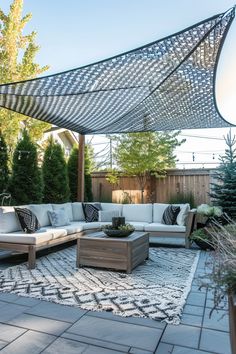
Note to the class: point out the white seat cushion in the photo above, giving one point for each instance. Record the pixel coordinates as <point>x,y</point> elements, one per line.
<point>74,227</point>
<point>137,212</point>
<point>28,239</point>
<point>77,210</point>
<point>8,220</point>
<point>67,207</point>
<point>138,226</point>
<point>163,227</point>
<point>56,231</point>
<point>90,225</point>
<point>41,211</point>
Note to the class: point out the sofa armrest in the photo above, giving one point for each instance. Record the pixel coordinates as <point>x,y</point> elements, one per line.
<point>190,225</point>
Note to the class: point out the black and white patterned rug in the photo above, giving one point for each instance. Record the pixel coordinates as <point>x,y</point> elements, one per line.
<point>157,289</point>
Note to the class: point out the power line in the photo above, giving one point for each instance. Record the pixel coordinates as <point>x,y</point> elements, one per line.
<point>196,163</point>
<point>210,152</point>
<point>202,137</point>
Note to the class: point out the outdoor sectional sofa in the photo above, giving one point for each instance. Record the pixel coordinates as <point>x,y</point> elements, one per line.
<point>144,217</point>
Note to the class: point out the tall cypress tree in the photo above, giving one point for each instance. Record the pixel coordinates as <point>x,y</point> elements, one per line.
<point>224,191</point>
<point>26,180</point>
<point>4,170</point>
<point>55,176</point>
<point>73,173</point>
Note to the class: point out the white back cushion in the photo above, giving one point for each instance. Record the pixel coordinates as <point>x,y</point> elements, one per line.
<point>182,216</point>
<point>112,206</point>
<point>158,210</point>
<point>107,215</point>
<point>77,210</point>
<point>41,211</point>
<point>67,207</point>
<point>137,212</point>
<point>8,220</point>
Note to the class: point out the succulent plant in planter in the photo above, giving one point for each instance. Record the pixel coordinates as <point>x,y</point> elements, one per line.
<point>205,215</point>
<point>118,231</point>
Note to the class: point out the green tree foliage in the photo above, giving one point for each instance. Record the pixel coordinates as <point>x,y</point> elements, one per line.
<point>142,154</point>
<point>55,175</point>
<point>224,190</point>
<point>26,180</point>
<point>73,173</point>
<point>4,170</point>
<point>88,167</point>
<point>17,55</point>
<point>183,198</point>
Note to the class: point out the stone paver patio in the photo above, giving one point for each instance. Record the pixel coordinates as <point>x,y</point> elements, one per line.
<point>29,326</point>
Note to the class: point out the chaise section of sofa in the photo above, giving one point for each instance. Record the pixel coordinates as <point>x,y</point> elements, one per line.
<point>13,238</point>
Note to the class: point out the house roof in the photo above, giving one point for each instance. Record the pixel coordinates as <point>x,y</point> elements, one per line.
<point>167,84</point>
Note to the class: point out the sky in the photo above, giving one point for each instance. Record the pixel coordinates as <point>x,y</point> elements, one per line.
<point>73,33</point>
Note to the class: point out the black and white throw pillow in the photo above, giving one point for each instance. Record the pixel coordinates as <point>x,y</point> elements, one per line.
<point>170,215</point>
<point>28,220</point>
<point>91,211</point>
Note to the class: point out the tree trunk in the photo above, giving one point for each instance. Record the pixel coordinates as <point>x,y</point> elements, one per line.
<point>142,183</point>
<point>142,196</point>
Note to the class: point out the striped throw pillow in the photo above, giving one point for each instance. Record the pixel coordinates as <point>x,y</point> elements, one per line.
<point>170,215</point>
<point>28,220</point>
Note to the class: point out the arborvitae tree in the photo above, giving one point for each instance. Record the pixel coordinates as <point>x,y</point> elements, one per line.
<point>88,166</point>
<point>55,175</point>
<point>26,180</point>
<point>224,191</point>
<point>73,173</point>
<point>4,170</point>
<point>17,58</point>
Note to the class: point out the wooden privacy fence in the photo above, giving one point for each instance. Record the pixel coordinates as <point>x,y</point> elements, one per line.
<point>177,183</point>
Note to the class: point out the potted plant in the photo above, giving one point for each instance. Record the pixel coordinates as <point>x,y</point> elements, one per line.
<point>223,270</point>
<point>202,238</point>
<point>205,214</point>
<point>123,230</point>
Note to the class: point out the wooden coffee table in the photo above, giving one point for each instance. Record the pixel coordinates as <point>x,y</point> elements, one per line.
<point>120,253</point>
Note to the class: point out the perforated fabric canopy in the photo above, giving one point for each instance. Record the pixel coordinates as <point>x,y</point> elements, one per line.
<point>165,85</point>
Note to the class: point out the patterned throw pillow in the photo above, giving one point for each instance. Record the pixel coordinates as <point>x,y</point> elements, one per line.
<point>28,220</point>
<point>58,217</point>
<point>91,211</point>
<point>170,215</point>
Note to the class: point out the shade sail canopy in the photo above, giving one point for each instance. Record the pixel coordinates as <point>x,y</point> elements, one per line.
<point>165,85</point>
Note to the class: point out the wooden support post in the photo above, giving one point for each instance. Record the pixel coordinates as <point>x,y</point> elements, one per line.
<point>80,190</point>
